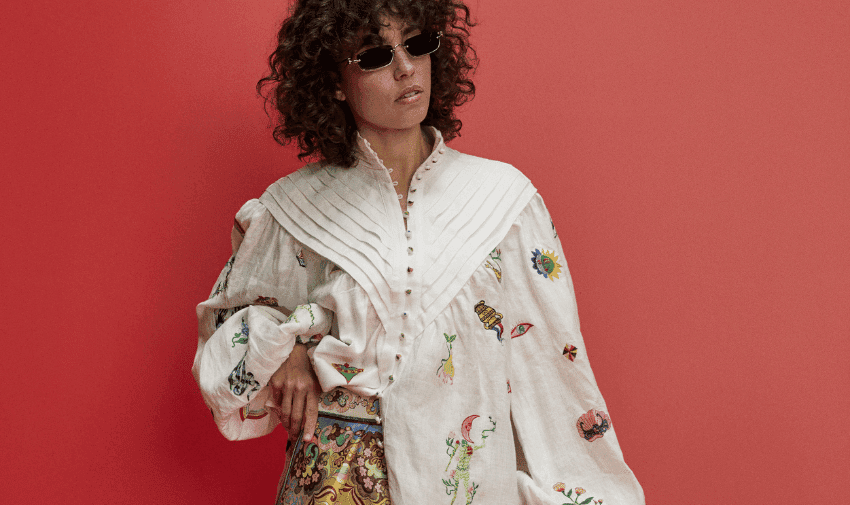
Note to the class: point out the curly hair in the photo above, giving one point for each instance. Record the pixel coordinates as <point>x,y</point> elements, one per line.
<point>319,33</point>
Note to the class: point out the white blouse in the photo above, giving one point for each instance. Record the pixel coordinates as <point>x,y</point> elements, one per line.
<point>463,323</point>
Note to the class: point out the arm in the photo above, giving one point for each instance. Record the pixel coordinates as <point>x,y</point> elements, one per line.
<point>559,416</point>
<point>245,333</point>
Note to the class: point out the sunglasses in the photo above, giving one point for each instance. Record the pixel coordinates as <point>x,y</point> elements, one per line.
<point>381,56</point>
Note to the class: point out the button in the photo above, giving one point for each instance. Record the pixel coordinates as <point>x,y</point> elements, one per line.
<point>413,190</point>
<point>401,336</point>
<point>433,160</point>
<point>418,177</point>
<point>378,419</point>
<point>397,357</point>
<point>409,202</point>
<point>404,314</point>
<point>408,291</point>
<point>410,270</point>
<point>410,251</point>
<point>441,151</point>
<point>408,234</point>
<point>406,214</point>
<point>391,378</point>
<point>427,168</point>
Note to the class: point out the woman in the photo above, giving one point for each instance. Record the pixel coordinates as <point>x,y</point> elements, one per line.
<point>427,287</point>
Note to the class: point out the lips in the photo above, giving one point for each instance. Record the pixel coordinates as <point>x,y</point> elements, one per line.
<point>412,90</point>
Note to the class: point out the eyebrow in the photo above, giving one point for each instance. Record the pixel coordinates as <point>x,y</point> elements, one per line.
<point>374,39</point>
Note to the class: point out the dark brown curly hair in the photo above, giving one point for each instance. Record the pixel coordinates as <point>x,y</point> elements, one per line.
<point>319,33</point>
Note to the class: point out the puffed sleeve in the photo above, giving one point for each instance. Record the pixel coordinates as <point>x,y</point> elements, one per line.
<point>249,325</point>
<point>560,420</point>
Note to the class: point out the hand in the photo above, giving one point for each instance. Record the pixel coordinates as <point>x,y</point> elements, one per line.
<point>296,389</point>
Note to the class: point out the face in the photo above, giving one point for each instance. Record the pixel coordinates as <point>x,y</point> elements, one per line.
<point>374,96</point>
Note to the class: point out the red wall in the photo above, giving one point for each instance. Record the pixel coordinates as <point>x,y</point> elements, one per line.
<point>694,155</point>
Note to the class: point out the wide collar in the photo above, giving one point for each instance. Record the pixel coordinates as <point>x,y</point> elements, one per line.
<point>460,207</point>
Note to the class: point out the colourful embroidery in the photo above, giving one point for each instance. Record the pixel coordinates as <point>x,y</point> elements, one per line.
<point>492,320</point>
<point>494,263</point>
<point>268,301</point>
<point>570,352</point>
<point>222,315</point>
<point>308,308</point>
<point>560,487</point>
<point>246,413</point>
<point>521,329</point>
<point>347,371</point>
<point>593,424</point>
<point>509,385</point>
<point>300,258</point>
<point>554,231</point>
<point>546,264</point>
<point>241,380</point>
<point>241,337</point>
<point>446,371</point>
<point>464,449</point>
<point>222,285</point>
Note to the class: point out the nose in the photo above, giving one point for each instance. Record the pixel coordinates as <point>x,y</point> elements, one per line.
<point>404,63</point>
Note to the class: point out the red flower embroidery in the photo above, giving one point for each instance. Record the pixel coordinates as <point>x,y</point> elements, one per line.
<point>593,424</point>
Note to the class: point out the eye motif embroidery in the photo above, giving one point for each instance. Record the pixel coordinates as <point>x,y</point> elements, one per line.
<point>521,329</point>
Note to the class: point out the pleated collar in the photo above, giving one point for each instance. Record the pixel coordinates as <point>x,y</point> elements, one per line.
<point>368,158</point>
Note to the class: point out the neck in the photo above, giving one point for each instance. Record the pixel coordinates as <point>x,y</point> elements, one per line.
<point>401,150</point>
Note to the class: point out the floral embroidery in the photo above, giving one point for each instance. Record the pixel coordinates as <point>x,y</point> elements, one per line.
<point>222,285</point>
<point>300,258</point>
<point>246,413</point>
<point>268,301</point>
<point>560,487</point>
<point>492,320</point>
<point>347,371</point>
<point>241,380</point>
<point>446,371</point>
<point>570,352</point>
<point>593,424</point>
<point>521,329</point>
<point>546,264</point>
<point>242,336</point>
<point>494,263</point>
<point>308,308</point>
<point>464,449</point>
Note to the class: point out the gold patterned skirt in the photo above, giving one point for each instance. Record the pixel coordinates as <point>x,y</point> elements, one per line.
<point>344,462</point>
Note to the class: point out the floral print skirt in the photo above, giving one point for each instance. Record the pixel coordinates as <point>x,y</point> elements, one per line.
<point>344,462</point>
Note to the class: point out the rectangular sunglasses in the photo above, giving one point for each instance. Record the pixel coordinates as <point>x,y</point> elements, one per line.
<point>381,56</point>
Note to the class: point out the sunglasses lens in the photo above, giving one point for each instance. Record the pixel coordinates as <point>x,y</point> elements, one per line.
<point>376,57</point>
<point>422,44</point>
<point>418,45</point>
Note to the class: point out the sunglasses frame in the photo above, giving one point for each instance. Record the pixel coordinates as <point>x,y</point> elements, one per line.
<point>439,35</point>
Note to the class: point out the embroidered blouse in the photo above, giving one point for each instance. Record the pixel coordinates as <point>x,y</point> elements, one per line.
<point>463,322</point>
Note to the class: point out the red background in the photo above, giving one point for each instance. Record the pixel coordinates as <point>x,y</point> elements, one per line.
<point>694,156</point>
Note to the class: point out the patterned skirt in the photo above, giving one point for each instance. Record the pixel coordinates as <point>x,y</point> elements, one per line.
<point>344,462</point>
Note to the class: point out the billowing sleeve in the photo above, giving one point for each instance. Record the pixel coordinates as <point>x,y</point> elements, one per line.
<point>250,323</point>
<point>561,422</point>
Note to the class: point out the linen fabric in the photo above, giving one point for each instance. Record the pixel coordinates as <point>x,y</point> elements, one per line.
<point>459,315</point>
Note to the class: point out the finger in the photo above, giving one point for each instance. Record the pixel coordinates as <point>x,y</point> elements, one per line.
<point>286,409</point>
<point>297,411</point>
<point>311,414</point>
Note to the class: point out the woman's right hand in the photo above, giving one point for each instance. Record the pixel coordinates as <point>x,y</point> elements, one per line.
<point>296,389</point>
